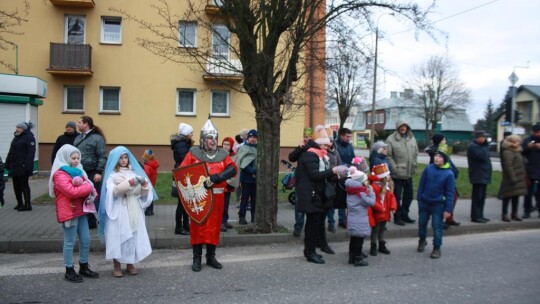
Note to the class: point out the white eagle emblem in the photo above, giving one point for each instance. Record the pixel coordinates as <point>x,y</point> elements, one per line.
<point>194,194</point>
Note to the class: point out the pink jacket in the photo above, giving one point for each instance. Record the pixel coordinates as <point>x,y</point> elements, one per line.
<point>69,199</point>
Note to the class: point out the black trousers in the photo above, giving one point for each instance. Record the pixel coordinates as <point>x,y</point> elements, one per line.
<point>312,234</point>
<point>355,246</point>
<point>515,203</point>
<point>22,190</point>
<point>92,220</point>
<point>478,200</point>
<point>181,217</point>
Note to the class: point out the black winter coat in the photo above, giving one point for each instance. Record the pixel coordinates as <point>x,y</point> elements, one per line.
<point>20,158</point>
<point>63,139</point>
<point>310,182</point>
<point>532,158</point>
<point>479,161</point>
<point>180,145</point>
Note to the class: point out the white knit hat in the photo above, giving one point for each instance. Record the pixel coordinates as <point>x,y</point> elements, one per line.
<point>185,129</point>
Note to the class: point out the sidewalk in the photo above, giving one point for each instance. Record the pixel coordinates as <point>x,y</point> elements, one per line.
<point>38,231</point>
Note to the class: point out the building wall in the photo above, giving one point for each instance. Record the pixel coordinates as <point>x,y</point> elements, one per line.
<point>147,82</point>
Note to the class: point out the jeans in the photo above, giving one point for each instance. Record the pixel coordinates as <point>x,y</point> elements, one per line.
<point>426,211</point>
<point>342,216</point>
<point>403,190</point>
<point>533,191</point>
<point>298,217</point>
<point>249,191</point>
<point>79,226</point>
<point>226,201</point>
<point>478,200</point>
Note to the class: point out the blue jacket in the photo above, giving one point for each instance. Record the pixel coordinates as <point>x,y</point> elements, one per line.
<point>345,150</point>
<point>437,186</point>
<point>478,158</point>
<point>378,159</point>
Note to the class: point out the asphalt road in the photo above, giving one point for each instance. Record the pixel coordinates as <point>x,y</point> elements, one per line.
<point>498,267</point>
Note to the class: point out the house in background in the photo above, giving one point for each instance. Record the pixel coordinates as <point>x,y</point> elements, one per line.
<point>455,126</point>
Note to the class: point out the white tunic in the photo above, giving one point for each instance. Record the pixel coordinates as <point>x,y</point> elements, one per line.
<point>126,238</point>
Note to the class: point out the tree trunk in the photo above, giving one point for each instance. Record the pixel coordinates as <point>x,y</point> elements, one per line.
<point>268,130</point>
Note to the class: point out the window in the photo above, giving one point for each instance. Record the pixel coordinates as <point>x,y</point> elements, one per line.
<point>219,105</point>
<point>185,103</point>
<point>73,98</point>
<point>75,29</point>
<point>111,30</point>
<point>109,99</point>
<point>218,3</point>
<point>220,42</point>
<point>188,34</point>
<point>381,118</point>
<point>369,118</point>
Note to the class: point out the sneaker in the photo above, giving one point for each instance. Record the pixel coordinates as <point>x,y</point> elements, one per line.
<point>421,245</point>
<point>331,229</point>
<point>408,220</point>
<point>223,228</point>
<point>399,222</point>
<point>436,253</point>
<point>228,226</point>
<point>297,232</point>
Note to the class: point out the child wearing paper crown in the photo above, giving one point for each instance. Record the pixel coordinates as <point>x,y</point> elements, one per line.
<point>360,198</point>
<point>150,167</point>
<point>385,202</point>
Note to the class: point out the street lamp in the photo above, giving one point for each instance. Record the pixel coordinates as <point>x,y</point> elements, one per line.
<point>513,80</point>
<point>372,132</point>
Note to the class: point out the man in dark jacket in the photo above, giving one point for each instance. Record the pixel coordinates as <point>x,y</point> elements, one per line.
<point>479,161</point>
<point>346,153</point>
<point>246,160</point>
<point>531,153</point>
<point>67,138</point>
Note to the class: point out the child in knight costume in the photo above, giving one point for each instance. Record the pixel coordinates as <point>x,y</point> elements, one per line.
<point>221,167</point>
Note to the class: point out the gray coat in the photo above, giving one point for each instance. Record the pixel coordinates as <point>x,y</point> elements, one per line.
<point>513,181</point>
<point>357,210</point>
<point>402,153</point>
<point>93,152</point>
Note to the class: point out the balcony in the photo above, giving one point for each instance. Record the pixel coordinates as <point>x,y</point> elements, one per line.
<point>212,7</point>
<point>70,59</point>
<point>223,69</point>
<point>74,3</point>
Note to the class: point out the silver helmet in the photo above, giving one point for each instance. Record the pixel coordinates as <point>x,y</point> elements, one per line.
<point>209,131</point>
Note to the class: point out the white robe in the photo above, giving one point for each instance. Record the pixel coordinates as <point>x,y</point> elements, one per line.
<point>125,208</point>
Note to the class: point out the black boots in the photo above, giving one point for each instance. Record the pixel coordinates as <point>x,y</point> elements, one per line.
<point>85,271</point>
<point>356,257</point>
<point>242,220</point>
<point>72,276</point>
<point>421,245</point>
<point>382,248</point>
<point>211,257</point>
<point>373,249</point>
<point>197,256</point>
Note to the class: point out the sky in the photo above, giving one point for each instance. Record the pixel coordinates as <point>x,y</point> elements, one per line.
<point>487,40</point>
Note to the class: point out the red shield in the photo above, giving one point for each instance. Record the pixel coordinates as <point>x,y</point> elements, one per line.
<point>197,200</point>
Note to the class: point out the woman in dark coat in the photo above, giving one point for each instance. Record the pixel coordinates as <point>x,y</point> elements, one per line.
<point>513,182</point>
<point>312,173</point>
<point>20,164</point>
<point>180,144</point>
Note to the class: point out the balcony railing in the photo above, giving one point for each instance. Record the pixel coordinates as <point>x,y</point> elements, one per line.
<point>70,59</point>
<point>223,69</point>
<point>74,3</point>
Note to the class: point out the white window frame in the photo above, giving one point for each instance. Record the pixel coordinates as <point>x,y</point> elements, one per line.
<point>178,111</point>
<point>105,19</point>
<point>227,103</point>
<point>381,118</point>
<point>101,101</point>
<point>66,88</point>
<point>67,19</point>
<point>187,24</point>
<point>217,37</point>
<point>218,3</point>
<point>368,118</point>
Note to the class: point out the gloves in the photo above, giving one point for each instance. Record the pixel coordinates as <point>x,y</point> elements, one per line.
<point>215,178</point>
<point>208,182</point>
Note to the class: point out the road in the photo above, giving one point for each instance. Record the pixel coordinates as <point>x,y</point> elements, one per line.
<point>498,267</point>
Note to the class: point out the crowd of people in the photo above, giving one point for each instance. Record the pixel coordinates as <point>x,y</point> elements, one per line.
<point>114,191</point>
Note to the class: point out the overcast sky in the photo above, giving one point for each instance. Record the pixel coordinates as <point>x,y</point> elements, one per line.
<point>487,40</point>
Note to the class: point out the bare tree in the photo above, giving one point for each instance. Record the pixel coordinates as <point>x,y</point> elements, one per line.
<point>10,20</point>
<point>438,89</point>
<point>348,70</point>
<point>274,40</point>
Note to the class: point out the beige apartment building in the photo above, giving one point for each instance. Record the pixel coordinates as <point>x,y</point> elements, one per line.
<point>90,60</point>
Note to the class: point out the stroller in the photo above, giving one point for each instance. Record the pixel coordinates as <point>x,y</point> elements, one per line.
<point>289,180</point>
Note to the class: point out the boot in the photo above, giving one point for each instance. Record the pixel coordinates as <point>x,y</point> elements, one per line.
<point>421,245</point>
<point>197,257</point>
<point>351,258</point>
<point>373,250</point>
<point>359,261</point>
<point>436,253</point>
<point>117,272</point>
<point>505,218</point>
<point>131,269</point>
<point>242,220</point>
<point>85,271</point>
<point>382,248</point>
<point>72,276</point>
<point>515,217</point>
<point>27,201</point>
<point>211,257</point>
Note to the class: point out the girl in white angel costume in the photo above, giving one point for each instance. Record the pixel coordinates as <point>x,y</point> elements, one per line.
<point>124,196</point>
